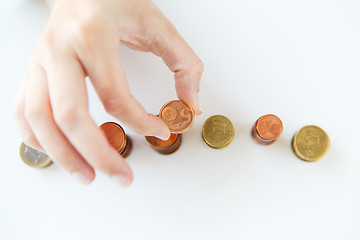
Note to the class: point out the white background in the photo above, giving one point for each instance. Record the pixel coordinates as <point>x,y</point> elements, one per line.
<point>297,59</point>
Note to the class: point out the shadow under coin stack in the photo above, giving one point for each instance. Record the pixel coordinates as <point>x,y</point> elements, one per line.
<point>117,138</point>
<point>179,117</point>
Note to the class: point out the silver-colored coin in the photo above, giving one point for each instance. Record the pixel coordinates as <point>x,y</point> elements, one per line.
<point>33,157</point>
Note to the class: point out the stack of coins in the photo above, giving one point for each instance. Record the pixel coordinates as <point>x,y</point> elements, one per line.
<point>267,129</point>
<point>179,117</point>
<point>310,143</point>
<point>165,146</point>
<point>33,157</point>
<point>218,131</point>
<point>117,138</point>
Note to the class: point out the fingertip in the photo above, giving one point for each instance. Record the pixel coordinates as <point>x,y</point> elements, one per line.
<point>164,136</point>
<point>161,131</point>
<point>83,178</point>
<point>122,180</point>
<point>198,109</point>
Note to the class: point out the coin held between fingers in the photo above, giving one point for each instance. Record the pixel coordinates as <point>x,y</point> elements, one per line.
<point>177,115</point>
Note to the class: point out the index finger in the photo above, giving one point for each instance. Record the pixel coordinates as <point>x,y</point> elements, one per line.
<point>68,96</point>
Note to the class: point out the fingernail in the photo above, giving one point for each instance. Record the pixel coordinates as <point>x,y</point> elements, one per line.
<point>199,103</point>
<point>121,180</point>
<point>165,136</point>
<point>81,178</point>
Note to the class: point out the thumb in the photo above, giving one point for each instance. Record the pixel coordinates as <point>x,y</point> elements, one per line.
<point>182,60</point>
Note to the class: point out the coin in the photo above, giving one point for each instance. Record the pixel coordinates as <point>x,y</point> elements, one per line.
<point>310,143</point>
<point>267,129</point>
<point>117,138</point>
<point>165,146</point>
<point>33,157</point>
<point>218,131</point>
<point>177,115</point>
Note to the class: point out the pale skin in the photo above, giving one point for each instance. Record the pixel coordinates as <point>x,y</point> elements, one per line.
<point>82,38</point>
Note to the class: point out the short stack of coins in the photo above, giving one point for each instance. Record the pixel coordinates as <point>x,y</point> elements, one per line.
<point>310,143</point>
<point>117,138</point>
<point>267,129</point>
<point>34,158</point>
<point>165,146</point>
<point>218,131</point>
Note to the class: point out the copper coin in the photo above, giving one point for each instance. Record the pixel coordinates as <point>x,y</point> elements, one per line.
<point>177,115</point>
<point>267,129</point>
<point>115,135</point>
<point>167,146</point>
<point>127,150</point>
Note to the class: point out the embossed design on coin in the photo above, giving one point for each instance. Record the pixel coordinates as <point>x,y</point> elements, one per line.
<point>33,157</point>
<point>267,129</point>
<point>177,115</point>
<point>218,131</point>
<point>169,114</point>
<point>310,143</point>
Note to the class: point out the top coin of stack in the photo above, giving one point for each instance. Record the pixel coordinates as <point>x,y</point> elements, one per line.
<point>218,131</point>
<point>310,143</point>
<point>117,138</point>
<point>267,129</point>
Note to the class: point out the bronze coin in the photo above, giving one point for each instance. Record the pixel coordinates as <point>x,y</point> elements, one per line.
<point>115,135</point>
<point>167,146</point>
<point>267,129</point>
<point>177,115</point>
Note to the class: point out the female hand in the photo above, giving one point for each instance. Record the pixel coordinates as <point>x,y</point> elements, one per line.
<point>82,39</point>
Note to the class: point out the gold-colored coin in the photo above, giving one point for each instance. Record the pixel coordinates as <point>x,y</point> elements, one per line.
<point>33,157</point>
<point>218,131</point>
<point>310,143</point>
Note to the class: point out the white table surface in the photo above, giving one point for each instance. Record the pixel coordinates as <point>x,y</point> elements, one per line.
<point>299,60</point>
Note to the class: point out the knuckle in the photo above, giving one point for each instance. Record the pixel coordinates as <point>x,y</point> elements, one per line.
<point>67,117</point>
<point>198,66</point>
<point>32,113</point>
<point>88,24</point>
<point>114,105</point>
<point>17,111</point>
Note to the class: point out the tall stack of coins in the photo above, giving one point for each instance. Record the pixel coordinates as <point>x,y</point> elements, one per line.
<point>267,129</point>
<point>218,131</point>
<point>33,157</point>
<point>116,136</point>
<point>310,143</point>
